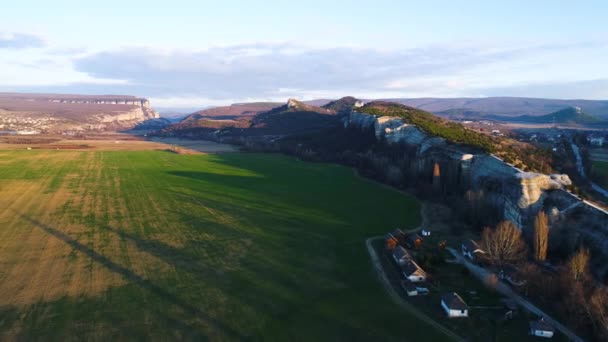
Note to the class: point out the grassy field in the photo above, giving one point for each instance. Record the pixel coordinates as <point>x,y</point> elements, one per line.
<point>154,245</point>
<point>600,172</point>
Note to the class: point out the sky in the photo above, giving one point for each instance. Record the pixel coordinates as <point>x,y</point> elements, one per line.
<point>204,53</point>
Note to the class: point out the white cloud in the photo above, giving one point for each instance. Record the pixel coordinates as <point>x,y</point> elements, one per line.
<point>13,40</point>
<point>275,71</point>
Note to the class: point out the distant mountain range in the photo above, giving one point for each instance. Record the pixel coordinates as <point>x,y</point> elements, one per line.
<point>501,106</point>
<point>571,115</point>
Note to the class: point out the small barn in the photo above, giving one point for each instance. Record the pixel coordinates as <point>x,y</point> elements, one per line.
<point>401,255</point>
<point>471,250</point>
<point>454,306</point>
<point>541,328</point>
<point>412,272</point>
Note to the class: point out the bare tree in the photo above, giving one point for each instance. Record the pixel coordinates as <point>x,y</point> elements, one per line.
<point>504,244</point>
<point>578,265</point>
<point>599,309</point>
<point>540,236</point>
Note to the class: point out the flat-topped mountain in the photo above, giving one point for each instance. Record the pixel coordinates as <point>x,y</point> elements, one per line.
<point>53,113</point>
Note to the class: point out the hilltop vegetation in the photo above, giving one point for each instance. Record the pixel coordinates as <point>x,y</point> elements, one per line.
<point>431,124</point>
<point>524,156</point>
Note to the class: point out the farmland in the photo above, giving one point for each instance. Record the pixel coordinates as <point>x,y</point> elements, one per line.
<point>106,245</point>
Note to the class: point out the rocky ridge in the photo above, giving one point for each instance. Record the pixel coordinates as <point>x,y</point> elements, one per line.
<point>522,193</point>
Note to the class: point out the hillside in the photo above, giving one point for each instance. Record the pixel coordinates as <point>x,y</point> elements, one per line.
<point>233,111</point>
<point>571,115</point>
<point>255,119</point>
<point>431,124</point>
<point>343,105</point>
<point>521,155</point>
<point>53,113</point>
<point>504,106</point>
<point>295,117</point>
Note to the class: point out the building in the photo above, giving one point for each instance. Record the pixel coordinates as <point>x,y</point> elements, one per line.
<point>541,328</point>
<point>399,235</point>
<point>390,243</point>
<point>413,240</point>
<point>409,288</point>
<point>595,140</point>
<point>401,255</point>
<point>412,272</point>
<point>425,232</point>
<point>471,250</point>
<point>454,306</point>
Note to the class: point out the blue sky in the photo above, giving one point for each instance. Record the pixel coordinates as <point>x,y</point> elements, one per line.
<point>198,53</point>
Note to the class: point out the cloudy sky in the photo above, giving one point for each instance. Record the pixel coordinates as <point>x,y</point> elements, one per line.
<point>200,53</point>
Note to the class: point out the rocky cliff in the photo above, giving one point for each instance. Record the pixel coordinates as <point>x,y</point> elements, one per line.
<point>519,194</point>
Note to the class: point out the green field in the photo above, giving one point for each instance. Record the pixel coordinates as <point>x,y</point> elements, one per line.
<point>600,172</point>
<point>153,245</point>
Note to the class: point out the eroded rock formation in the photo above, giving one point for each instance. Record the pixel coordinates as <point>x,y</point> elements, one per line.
<point>519,194</point>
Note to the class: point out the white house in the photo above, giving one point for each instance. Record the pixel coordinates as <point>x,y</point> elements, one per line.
<point>454,306</point>
<point>595,140</point>
<point>471,249</point>
<point>412,272</point>
<point>541,328</point>
<point>401,255</point>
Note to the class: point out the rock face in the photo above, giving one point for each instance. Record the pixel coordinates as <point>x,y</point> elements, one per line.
<point>519,194</point>
<point>534,185</point>
<point>59,113</point>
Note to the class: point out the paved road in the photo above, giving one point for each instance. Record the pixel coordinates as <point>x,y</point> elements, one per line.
<point>505,290</point>
<point>581,170</point>
<point>398,299</point>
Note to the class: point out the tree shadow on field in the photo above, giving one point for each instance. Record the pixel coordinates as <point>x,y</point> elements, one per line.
<point>141,282</point>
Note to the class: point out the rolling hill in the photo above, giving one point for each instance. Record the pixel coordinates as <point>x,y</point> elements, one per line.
<point>295,117</point>
<point>571,115</point>
<point>503,106</point>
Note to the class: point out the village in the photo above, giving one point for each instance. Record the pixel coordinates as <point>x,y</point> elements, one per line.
<point>458,289</point>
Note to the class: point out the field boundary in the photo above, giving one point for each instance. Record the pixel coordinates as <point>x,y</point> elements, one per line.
<point>397,299</point>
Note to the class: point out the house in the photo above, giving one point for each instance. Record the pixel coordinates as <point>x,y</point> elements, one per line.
<point>413,240</point>
<point>422,291</point>
<point>409,288</point>
<point>595,140</point>
<point>412,272</point>
<point>454,306</point>
<point>399,235</point>
<point>401,255</point>
<point>471,250</point>
<point>390,242</point>
<point>541,328</point>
